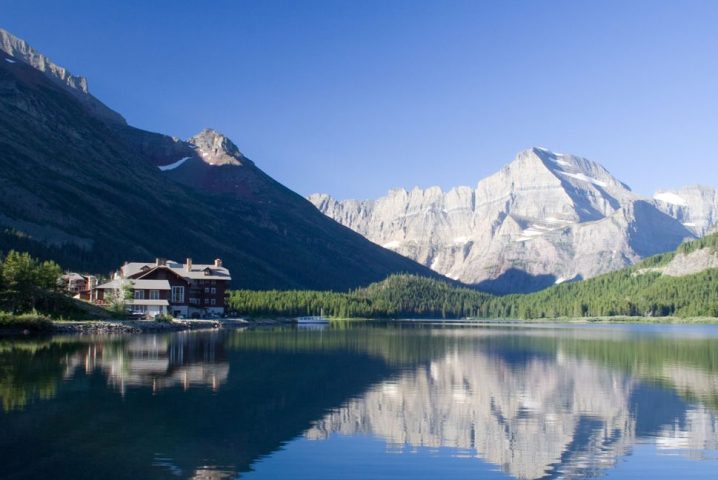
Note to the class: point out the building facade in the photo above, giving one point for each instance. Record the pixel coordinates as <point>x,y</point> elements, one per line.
<point>76,284</point>
<point>168,287</point>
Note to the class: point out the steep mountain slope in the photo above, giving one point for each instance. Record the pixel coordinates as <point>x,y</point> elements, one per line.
<point>545,218</point>
<point>82,187</point>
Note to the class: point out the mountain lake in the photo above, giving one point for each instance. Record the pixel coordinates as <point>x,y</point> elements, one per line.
<point>364,400</point>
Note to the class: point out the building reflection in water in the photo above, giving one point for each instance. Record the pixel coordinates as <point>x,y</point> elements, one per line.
<point>533,403</point>
<point>548,415</point>
<point>155,361</point>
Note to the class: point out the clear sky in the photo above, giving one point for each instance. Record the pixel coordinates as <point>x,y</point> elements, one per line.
<point>355,98</point>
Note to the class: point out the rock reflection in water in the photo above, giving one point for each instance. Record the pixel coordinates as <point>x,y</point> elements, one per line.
<point>533,403</point>
<point>546,415</point>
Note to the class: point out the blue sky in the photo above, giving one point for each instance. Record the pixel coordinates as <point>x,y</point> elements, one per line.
<point>354,98</point>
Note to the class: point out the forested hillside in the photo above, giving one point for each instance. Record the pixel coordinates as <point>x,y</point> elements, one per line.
<point>634,291</point>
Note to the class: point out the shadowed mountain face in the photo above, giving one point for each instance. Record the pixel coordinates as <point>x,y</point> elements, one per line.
<point>517,281</point>
<point>80,186</point>
<point>545,215</point>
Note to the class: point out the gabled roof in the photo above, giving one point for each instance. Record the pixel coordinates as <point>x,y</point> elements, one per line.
<point>137,284</point>
<point>73,276</point>
<point>112,284</point>
<point>198,271</point>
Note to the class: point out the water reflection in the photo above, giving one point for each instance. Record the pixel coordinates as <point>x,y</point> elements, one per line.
<point>536,410</point>
<point>536,403</point>
<point>34,369</point>
<point>156,361</point>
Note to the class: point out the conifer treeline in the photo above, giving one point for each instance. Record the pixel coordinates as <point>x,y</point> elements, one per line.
<point>634,291</point>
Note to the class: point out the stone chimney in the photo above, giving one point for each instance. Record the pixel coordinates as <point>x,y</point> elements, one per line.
<point>218,262</point>
<point>188,264</point>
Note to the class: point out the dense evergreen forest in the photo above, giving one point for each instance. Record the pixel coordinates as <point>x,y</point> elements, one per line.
<point>634,291</point>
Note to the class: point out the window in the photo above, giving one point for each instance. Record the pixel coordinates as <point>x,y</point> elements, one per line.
<point>139,308</point>
<point>139,294</point>
<point>214,301</point>
<point>206,289</point>
<point>194,301</point>
<point>214,290</point>
<point>154,294</point>
<point>177,294</point>
<point>206,301</point>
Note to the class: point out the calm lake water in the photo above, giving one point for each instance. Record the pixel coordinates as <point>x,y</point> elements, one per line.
<point>360,401</point>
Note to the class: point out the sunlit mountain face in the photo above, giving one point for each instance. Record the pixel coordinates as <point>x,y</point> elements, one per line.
<point>525,403</point>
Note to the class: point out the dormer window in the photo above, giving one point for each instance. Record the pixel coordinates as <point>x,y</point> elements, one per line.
<point>144,268</point>
<point>207,271</point>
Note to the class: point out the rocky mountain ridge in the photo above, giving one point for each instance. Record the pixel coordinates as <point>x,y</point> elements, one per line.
<point>16,49</point>
<point>545,218</point>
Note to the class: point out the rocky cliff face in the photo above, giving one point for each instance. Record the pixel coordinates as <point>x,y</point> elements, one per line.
<point>545,218</point>
<point>695,206</point>
<point>216,149</point>
<point>17,50</point>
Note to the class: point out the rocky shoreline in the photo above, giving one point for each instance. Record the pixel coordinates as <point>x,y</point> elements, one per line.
<point>114,327</point>
<point>104,327</point>
<point>130,326</point>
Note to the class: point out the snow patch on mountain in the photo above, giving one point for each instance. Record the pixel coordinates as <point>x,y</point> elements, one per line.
<point>671,198</point>
<point>174,165</point>
<point>584,178</point>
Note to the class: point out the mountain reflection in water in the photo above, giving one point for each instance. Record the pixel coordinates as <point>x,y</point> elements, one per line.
<point>535,403</point>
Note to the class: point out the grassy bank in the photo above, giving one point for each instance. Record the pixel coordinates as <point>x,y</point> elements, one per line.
<point>26,321</point>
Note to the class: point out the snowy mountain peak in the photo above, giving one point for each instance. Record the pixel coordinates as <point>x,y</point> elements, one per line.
<point>216,149</point>
<point>543,218</point>
<point>580,172</point>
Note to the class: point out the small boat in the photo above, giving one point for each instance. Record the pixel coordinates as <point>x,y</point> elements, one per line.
<point>311,320</point>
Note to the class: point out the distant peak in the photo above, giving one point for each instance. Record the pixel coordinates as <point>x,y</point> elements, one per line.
<point>572,169</point>
<point>217,149</point>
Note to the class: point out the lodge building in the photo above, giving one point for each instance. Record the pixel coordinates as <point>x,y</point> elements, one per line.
<point>168,287</point>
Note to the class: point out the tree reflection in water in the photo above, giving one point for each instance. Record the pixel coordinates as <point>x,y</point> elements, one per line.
<point>534,402</point>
